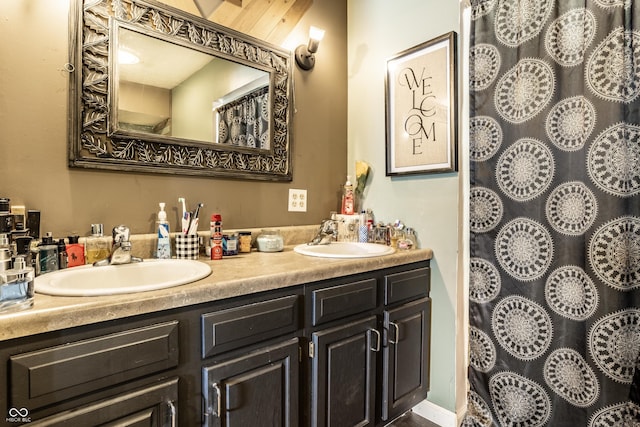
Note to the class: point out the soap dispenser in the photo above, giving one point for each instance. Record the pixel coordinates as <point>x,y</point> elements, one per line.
<point>348,198</point>
<point>164,238</point>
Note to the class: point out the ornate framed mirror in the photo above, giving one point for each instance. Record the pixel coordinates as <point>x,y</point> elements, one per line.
<point>155,89</point>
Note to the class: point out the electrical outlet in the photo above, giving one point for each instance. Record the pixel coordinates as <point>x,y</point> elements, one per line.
<point>297,200</point>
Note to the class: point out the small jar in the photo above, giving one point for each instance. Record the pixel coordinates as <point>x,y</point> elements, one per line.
<point>270,241</point>
<point>244,242</point>
<point>230,244</point>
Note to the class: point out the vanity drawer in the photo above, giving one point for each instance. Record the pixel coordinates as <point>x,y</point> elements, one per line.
<point>53,374</point>
<point>336,302</point>
<point>237,327</point>
<point>407,285</point>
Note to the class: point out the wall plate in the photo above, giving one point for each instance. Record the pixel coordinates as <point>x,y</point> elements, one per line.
<point>297,200</point>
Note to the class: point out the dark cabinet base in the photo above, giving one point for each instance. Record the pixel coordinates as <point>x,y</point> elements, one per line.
<point>153,406</point>
<point>260,388</point>
<point>405,357</point>
<point>345,352</point>
<point>343,374</point>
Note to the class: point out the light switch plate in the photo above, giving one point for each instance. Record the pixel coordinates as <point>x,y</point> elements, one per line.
<point>297,200</point>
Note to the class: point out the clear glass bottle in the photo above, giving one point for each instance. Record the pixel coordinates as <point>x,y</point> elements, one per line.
<point>411,236</point>
<point>96,247</point>
<point>16,286</point>
<point>48,260</point>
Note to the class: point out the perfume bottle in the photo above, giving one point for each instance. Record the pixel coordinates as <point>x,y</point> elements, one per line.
<point>16,286</point>
<point>75,252</point>
<point>96,246</point>
<point>47,255</point>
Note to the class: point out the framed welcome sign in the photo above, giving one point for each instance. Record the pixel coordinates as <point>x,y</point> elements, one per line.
<point>421,108</point>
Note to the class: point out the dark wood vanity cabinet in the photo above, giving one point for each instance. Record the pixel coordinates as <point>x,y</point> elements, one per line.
<point>258,388</point>
<point>258,383</point>
<point>369,347</point>
<point>405,376</point>
<point>102,377</point>
<point>343,378</point>
<point>406,349</point>
<point>350,351</point>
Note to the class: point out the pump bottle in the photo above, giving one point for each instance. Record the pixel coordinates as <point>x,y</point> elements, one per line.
<point>164,238</point>
<point>348,198</point>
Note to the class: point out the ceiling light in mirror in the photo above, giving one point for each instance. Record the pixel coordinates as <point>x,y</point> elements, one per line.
<point>126,57</point>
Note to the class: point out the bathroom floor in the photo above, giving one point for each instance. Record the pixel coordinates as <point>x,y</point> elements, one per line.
<point>411,420</point>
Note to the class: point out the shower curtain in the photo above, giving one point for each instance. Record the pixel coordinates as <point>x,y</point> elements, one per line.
<point>245,121</point>
<point>555,213</point>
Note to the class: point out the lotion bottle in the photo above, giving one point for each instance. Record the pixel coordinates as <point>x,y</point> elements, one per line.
<point>348,198</point>
<point>164,239</point>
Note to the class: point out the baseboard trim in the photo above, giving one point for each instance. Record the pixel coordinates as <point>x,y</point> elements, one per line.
<point>435,414</point>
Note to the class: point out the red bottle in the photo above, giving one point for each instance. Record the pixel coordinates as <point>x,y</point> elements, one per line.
<point>216,236</point>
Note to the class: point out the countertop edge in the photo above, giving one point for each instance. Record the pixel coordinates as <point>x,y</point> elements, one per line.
<point>231,277</point>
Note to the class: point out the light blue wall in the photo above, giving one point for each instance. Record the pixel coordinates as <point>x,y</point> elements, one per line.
<point>378,30</point>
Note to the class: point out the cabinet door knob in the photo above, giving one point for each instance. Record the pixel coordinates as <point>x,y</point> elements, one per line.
<point>397,334</point>
<point>377,334</point>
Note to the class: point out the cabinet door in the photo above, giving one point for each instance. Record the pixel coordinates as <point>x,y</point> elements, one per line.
<point>150,406</point>
<point>406,357</point>
<point>344,374</point>
<point>257,389</point>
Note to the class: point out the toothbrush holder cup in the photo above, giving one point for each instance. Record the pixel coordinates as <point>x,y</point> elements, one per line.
<point>187,246</point>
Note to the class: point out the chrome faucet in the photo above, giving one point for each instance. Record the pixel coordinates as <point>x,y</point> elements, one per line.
<point>120,249</point>
<point>327,233</point>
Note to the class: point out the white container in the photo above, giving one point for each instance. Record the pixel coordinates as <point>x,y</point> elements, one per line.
<point>270,241</point>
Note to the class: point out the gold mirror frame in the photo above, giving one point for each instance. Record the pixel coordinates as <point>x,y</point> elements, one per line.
<point>93,146</point>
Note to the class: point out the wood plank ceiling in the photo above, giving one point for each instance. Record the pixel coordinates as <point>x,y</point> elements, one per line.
<point>270,20</point>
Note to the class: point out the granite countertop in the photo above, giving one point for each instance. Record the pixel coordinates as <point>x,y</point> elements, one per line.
<point>231,277</point>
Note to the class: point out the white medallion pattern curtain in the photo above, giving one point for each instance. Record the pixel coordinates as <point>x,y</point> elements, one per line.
<point>245,121</point>
<point>555,213</point>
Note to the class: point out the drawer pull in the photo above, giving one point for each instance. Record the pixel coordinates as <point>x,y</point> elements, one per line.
<point>397,334</point>
<point>377,334</point>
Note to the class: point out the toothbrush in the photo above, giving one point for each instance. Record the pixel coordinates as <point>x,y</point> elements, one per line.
<point>193,226</point>
<point>185,216</point>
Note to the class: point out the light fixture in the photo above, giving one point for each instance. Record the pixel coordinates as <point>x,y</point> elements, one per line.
<point>304,53</point>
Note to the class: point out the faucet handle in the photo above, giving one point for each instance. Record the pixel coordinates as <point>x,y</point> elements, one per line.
<point>120,234</point>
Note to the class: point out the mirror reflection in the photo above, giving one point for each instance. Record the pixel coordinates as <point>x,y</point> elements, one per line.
<point>206,98</point>
<point>195,98</point>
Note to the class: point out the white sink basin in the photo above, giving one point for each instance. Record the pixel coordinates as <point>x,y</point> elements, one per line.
<point>149,275</point>
<point>344,250</point>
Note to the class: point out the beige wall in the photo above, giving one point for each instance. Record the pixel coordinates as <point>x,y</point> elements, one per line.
<point>33,137</point>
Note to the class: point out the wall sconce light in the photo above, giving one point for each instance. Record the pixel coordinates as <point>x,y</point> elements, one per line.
<point>305,53</point>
